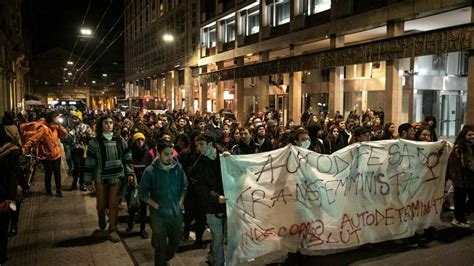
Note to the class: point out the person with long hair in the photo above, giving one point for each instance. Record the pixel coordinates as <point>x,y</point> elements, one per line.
<point>313,119</point>
<point>423,134</point>
<point>389,131</point>
<point>431,121</point>
<point>333,141</point>
<point>461,171</point>
<point>108,165</point>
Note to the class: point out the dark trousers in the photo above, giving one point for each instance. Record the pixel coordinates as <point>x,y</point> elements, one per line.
<point>142,211</point>
<point>14,215</point>
<point>166,234</point>
<point>78,169</point>
<point>193,211</point>
<point>461,207</point>
<point>51,166</point>
<point>4,221</point>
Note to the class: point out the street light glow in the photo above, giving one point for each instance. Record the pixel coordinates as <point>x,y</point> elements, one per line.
<point>69,73</point>
<point>86,31</point>
<point>168,37</point>
<point>93,82</point>
<point>104,75</point>
<point>70,63</point>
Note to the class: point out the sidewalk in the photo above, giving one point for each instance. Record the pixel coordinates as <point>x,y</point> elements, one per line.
<point>61,231</point>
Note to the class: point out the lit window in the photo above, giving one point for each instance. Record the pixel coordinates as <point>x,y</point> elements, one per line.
<point>209,36</point>
<point>228,30</point>
<point>251,21</point>
<point>316,6</point>
<point>279,12</point>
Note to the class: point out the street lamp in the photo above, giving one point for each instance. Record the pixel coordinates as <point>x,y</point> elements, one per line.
<point>70,63</point>
<point>86,32</point>
<point>167,37</point>
<point>104,75</point>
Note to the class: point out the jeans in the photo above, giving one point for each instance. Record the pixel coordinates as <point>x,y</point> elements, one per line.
<point>166,234</point>
<point>78,169</point>
<point>218,229</point>
<point>50,167</point>
<point>460,205</point>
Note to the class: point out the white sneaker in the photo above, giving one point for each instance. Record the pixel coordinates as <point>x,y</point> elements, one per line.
<point>460,224</point>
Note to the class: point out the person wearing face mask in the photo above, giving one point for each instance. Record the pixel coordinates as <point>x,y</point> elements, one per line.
<point>300,138</point>
<point>125,133</point>
<point>315,132</point>
<point>109,167</point>
<point>209,187</point>
<point>80,134</point>
<point>47,137</point>
<point>163,187</point>
<point>264,143</point>
<point>141,158</point>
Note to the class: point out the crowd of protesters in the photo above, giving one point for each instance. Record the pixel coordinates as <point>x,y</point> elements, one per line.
<point>168,165</point>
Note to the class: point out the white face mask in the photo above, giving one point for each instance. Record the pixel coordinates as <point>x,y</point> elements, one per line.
<point>306,144</point>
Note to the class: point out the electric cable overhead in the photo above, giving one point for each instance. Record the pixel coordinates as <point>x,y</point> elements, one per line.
<point>88,42</point>
<point>83,20</point>
<point>103,39</point>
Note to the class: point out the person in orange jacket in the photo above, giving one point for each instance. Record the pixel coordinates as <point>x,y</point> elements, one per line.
<point>46,139</point>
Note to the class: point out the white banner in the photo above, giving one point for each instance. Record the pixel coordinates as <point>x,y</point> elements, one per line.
<point>294,199</point>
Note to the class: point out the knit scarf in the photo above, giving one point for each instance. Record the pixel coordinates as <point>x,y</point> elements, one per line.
<point>139,152</point>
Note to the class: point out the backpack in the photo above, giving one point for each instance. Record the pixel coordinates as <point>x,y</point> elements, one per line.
<point>28,130</point>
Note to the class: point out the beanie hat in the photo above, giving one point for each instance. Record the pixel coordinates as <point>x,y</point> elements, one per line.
<point>77,114</point>
<point>271,123</point>
<point>258,127</point>
<point>138,135</point>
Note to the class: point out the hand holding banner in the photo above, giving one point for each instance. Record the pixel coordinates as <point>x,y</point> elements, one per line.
<point>294,199</point>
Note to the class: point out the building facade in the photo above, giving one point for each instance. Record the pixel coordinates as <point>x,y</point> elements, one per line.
<point>409,58</point>
<point>13,62</point>
<point>55,76</point>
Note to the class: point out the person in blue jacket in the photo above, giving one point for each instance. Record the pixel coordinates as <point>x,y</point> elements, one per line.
<point>163,187</point>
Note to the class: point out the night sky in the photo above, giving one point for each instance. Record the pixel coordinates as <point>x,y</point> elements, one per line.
<point>57,24</point>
